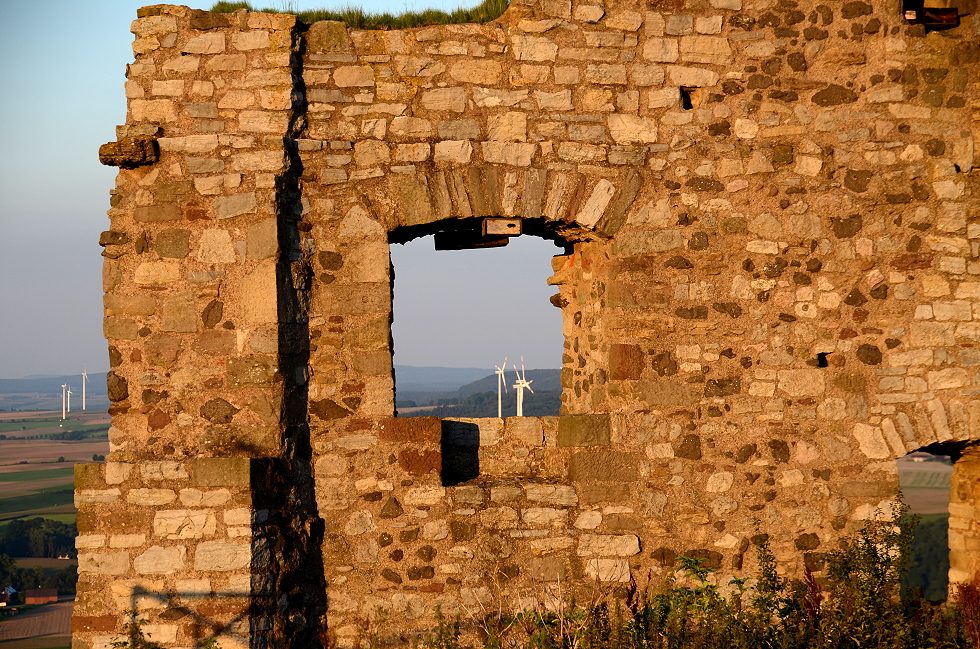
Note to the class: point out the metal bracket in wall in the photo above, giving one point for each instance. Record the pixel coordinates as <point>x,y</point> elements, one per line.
<point>490,232</point>
<point>501,227</point>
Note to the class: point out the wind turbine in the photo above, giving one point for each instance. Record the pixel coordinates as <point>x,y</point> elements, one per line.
<point>522,383</point>
<point>69,398</point>
<point>501,382</point>
<point>63,386</point>
<point>84,381</point>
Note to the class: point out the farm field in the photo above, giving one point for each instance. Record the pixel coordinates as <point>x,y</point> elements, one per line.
<point>925,485</point>
<point>33,482</point>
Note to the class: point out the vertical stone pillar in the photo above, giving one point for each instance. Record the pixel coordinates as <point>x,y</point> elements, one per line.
<point>964,526</point>
<point>205,284</point>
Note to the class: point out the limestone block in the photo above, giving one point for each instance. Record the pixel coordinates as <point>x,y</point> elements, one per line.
<point>424,496</point>
<point>492,97</point>
<point>708,24</point>
<point>174,88</point>
<point>226,207</point>
<point>692,77</point>
<point>118,328</point>
<point>632,129</point>
<point>213,43</point>
<point>452,99</point>
<point>589,13</point>
<point>220,472</point>
<point>149,25</point>
<point>258,161</point>
<point>221,556</point>
<point>871,441</point>
<point>226,62</point>
<point>262,240</point>
<point>416,152</point>
<point>719,482</point>
<point>189,143</point>
<point>533,48</point>
<point>508,127</point>
<point>198,498</point>
<point>706,49</point>
<point>89,541</point>
<point>159,560</point>
<point>150,497</point>
<point>353,76</point>
<point>96,496</point>
<point>595,206</point>
<point>411,127</point>
<point>458,151</point>
<point>516,154</point>
<point>127,540</point>
<point>104,563</point>
<point>588,520</point>
<point>629,21</point>
<point>216,247</point>
<point>645,74</point>
<point>368,153</point>
<point>482,72</point>
<point>258,294</point>
<point>153,111</point>
<point>561,100</point>
<point>327,36</point>
<point>608,545</point>
<point>255,39</point>
<point>544,516</point>
<point>184,524</point>
<point>666,50</point>
<point>236,99</point>
<point>551,494</point>
<point>263,121</point>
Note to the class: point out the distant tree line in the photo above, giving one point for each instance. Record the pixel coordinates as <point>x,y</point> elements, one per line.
<point>928,567</point>
<point>22,579</point>
<point>39,538</point>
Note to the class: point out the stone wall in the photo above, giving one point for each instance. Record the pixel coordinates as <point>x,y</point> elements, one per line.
<point>769,283</point>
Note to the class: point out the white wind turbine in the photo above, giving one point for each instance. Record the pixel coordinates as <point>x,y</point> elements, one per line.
<point>522,383</point>
<point>501,383</point>
<point>63,386</point>
<point>69,398</point>
<point>84,381</point>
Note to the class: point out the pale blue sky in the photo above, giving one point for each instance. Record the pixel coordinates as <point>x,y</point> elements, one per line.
<point>62,67</point>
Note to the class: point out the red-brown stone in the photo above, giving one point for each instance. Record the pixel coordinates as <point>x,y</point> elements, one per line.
<point>420,462</point>
<point>625,362</point>
<point>158,419</point>
<point>410,429</point>
<point>100,624</point>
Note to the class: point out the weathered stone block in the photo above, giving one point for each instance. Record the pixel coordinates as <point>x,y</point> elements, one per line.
<point>220,472</point>
<point>410,429</point>
<point>159,560</point>
<point>604,466</point>
<point>583,430</point>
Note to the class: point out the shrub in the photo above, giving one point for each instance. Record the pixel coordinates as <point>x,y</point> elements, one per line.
<point>857,604</point>
<point>356,18</point>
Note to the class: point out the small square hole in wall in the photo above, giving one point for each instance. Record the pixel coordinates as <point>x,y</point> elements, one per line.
<point>466,295</point>
<point>691,97</point>
<point>933,14</point>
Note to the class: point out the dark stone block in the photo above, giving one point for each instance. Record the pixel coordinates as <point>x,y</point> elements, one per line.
<point>745,452</point>
<point>583,430</point>
<point>722,387</point>
<point>857,181</point>
<point>856,10</point>
<point>846,227</point>
<point>204,20</point>
<point>410,429</point>
<point>702,184</point>
<point>690,448</point>
<point>625,362</point>
<point>869,354</point>
<point>130,152</point>
<point>418,462</point>
<point>834,95</point>
<point>779,450</point>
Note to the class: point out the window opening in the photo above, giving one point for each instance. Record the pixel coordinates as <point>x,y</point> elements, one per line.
<point>462,299</point>
<point>925,481</point>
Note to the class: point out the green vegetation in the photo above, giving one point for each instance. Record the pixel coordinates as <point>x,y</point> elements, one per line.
<point>23,578</point>
<point>31,476</point>
<point>928,568</point>
<point>136,639</point>
<point>357,18</point>
<point>864,609</point>
<point>542,403</point>
<point>17,425</point>
<point>43,500</point>
<point>39,538</point>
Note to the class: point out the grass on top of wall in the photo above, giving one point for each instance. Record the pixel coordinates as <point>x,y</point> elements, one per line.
<point>357,18</point>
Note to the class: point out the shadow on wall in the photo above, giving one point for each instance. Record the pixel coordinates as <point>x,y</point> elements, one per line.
<point>460,447</point>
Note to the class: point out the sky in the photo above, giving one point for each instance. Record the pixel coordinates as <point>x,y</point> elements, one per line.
<point>62,68</point>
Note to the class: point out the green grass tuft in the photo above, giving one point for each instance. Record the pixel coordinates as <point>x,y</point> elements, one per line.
<point>357,18</point>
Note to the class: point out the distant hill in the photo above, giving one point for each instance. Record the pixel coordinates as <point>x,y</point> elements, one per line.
<point>435,379</point>
<point>479,398</point>
<point>52,384</point>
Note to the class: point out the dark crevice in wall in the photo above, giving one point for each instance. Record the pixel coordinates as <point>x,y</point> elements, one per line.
<point>534,227</point>
<point>289,588</point>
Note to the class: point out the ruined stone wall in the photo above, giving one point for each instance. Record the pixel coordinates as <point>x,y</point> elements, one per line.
<point>769,283</point>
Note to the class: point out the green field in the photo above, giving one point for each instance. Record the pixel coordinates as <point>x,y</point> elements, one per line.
<point>40,500</point>
<point>28,476</point>
<point>17,425</point>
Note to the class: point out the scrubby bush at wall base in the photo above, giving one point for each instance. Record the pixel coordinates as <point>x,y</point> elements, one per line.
<point>357,18</point>
<point>857,604</point>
